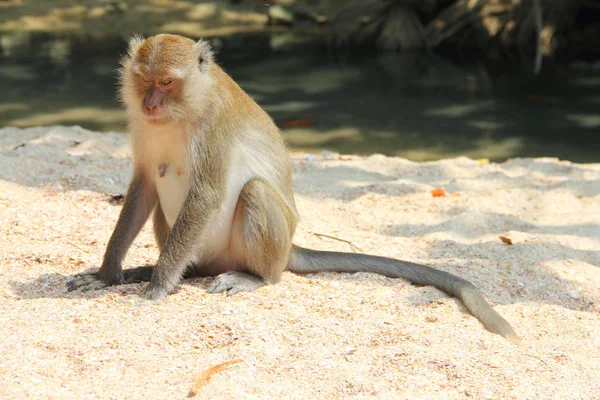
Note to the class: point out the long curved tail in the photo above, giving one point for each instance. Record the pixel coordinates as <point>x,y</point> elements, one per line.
<point>307,260</point>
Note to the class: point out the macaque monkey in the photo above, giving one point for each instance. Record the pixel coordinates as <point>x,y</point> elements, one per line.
<point>213,169</point>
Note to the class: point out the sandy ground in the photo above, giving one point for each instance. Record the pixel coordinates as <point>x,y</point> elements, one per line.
<point>317,336</point>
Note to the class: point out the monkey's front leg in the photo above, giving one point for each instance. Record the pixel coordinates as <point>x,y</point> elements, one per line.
<point>139,202</point>
<point>199,208</point>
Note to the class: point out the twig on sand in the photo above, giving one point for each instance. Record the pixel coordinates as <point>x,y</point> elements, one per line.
<point>207,373</point>
<point>352,245</point>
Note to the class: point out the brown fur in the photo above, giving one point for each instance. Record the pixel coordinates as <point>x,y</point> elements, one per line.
<point>270,230</point>
<point>160,54</point>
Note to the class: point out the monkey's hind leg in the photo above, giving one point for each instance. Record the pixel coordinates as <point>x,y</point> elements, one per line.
<point>261,237</point>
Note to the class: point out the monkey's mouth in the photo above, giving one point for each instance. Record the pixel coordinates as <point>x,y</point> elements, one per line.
<point>156,119</point>
<point>155,115</point>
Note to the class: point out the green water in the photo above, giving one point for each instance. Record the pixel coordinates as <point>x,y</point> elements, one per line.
<point>418,106</point>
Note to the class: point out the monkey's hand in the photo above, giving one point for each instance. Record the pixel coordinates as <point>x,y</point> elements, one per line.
<point>160,285</point>
<point>85,281</point>
<point>92,281</point>
<point>96,280</point>
<point>154,292</point>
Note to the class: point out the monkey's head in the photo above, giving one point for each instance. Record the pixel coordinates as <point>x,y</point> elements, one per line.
<point>163,75</point>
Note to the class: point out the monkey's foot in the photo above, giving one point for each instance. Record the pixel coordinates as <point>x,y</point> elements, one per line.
<point>235,282</point>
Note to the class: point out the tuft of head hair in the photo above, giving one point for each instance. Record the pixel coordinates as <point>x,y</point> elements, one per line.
<point>134,44</point>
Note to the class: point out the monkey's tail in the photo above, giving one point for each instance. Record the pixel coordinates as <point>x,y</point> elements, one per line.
<point>307,261</point>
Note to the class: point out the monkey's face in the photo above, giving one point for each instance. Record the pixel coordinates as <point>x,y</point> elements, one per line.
<point>163,76</point>
<point>158,95</point>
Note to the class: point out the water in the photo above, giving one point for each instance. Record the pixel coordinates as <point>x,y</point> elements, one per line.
<point>418,106</point>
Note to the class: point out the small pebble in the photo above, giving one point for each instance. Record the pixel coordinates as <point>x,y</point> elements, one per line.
<point>329,155</point>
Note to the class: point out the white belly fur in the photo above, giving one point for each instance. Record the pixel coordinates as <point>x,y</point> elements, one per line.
<point>247,161</point>
<point>172,190</point>
<point>166,146</point>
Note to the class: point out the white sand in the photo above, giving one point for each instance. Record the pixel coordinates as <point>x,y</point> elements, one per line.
<point>321,336</point>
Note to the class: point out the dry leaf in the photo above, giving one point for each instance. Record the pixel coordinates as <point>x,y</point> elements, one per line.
<point>207,373</point>
<point>506,239</point>
<point>438,192</point>
<point>297,123</point>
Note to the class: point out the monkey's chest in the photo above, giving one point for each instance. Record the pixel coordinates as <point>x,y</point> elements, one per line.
<point>172,187</point>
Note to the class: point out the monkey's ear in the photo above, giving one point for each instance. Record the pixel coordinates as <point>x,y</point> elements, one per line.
<point>203,55</point>
<point>134,44</point>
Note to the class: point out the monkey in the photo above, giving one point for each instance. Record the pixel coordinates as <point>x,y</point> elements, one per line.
<point>212,168</point>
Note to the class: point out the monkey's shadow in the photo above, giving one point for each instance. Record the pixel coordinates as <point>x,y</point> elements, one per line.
<point>54,286</point>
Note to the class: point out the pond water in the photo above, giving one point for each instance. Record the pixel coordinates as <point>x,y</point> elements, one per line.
<point>418,106</point>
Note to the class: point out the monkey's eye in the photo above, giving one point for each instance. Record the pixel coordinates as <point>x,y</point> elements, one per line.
<point>166,82</point>
<point>147,81</point>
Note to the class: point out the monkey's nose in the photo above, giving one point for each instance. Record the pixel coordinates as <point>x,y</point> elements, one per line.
<point>148,110</point>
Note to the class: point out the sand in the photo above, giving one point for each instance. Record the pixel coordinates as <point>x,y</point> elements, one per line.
<point>319,336</point>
